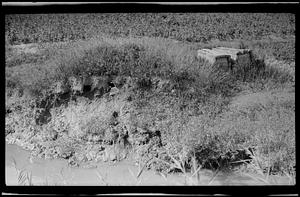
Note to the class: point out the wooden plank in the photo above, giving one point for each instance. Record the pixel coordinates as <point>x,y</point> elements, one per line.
<point>215,53</point>
<point>232,52</point>
<point>211,55</point>
<point>226,58</point>
<point>207,56</point>
<point>219,52</point>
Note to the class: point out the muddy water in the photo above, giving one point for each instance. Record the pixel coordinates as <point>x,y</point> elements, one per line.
<point>57,172</point>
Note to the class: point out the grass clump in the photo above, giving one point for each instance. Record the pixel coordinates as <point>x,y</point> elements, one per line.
<point>257,120</point>
<point>85,117</point>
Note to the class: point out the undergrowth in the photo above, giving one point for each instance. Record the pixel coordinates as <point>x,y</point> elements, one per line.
<point>194,113</point>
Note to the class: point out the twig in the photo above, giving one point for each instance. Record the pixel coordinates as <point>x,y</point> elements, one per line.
<point>241,161</point>
<point>163,175</point>
<point>198,169</point>
<point>258,178</point>
<point>141,170</point>
<point>214,177</point>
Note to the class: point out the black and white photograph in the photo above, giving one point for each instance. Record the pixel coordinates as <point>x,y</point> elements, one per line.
<point>149,98</point>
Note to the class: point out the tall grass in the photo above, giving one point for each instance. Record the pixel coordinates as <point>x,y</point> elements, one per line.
<point>140,58</point>
<point>197,118</point>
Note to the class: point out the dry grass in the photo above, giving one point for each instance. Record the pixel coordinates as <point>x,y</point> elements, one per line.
<point>83,117</point>
<point>202,115</point>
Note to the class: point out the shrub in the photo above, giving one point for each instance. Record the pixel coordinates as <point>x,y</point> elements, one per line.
<point>22,118</point>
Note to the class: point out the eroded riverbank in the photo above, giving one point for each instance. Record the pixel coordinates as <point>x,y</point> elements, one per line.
<point>57,172</point>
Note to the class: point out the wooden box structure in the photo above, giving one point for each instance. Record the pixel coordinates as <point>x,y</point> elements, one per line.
<point>227,57</point>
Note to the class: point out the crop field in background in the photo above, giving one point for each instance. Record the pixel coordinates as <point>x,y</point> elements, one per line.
<point>190,27</point>
<point>202,113</point>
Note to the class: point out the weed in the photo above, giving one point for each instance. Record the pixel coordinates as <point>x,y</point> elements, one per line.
<point>24,177</point>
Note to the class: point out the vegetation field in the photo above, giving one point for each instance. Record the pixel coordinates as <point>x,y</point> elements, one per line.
<point>160,104</point>
<point>190,27</point>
